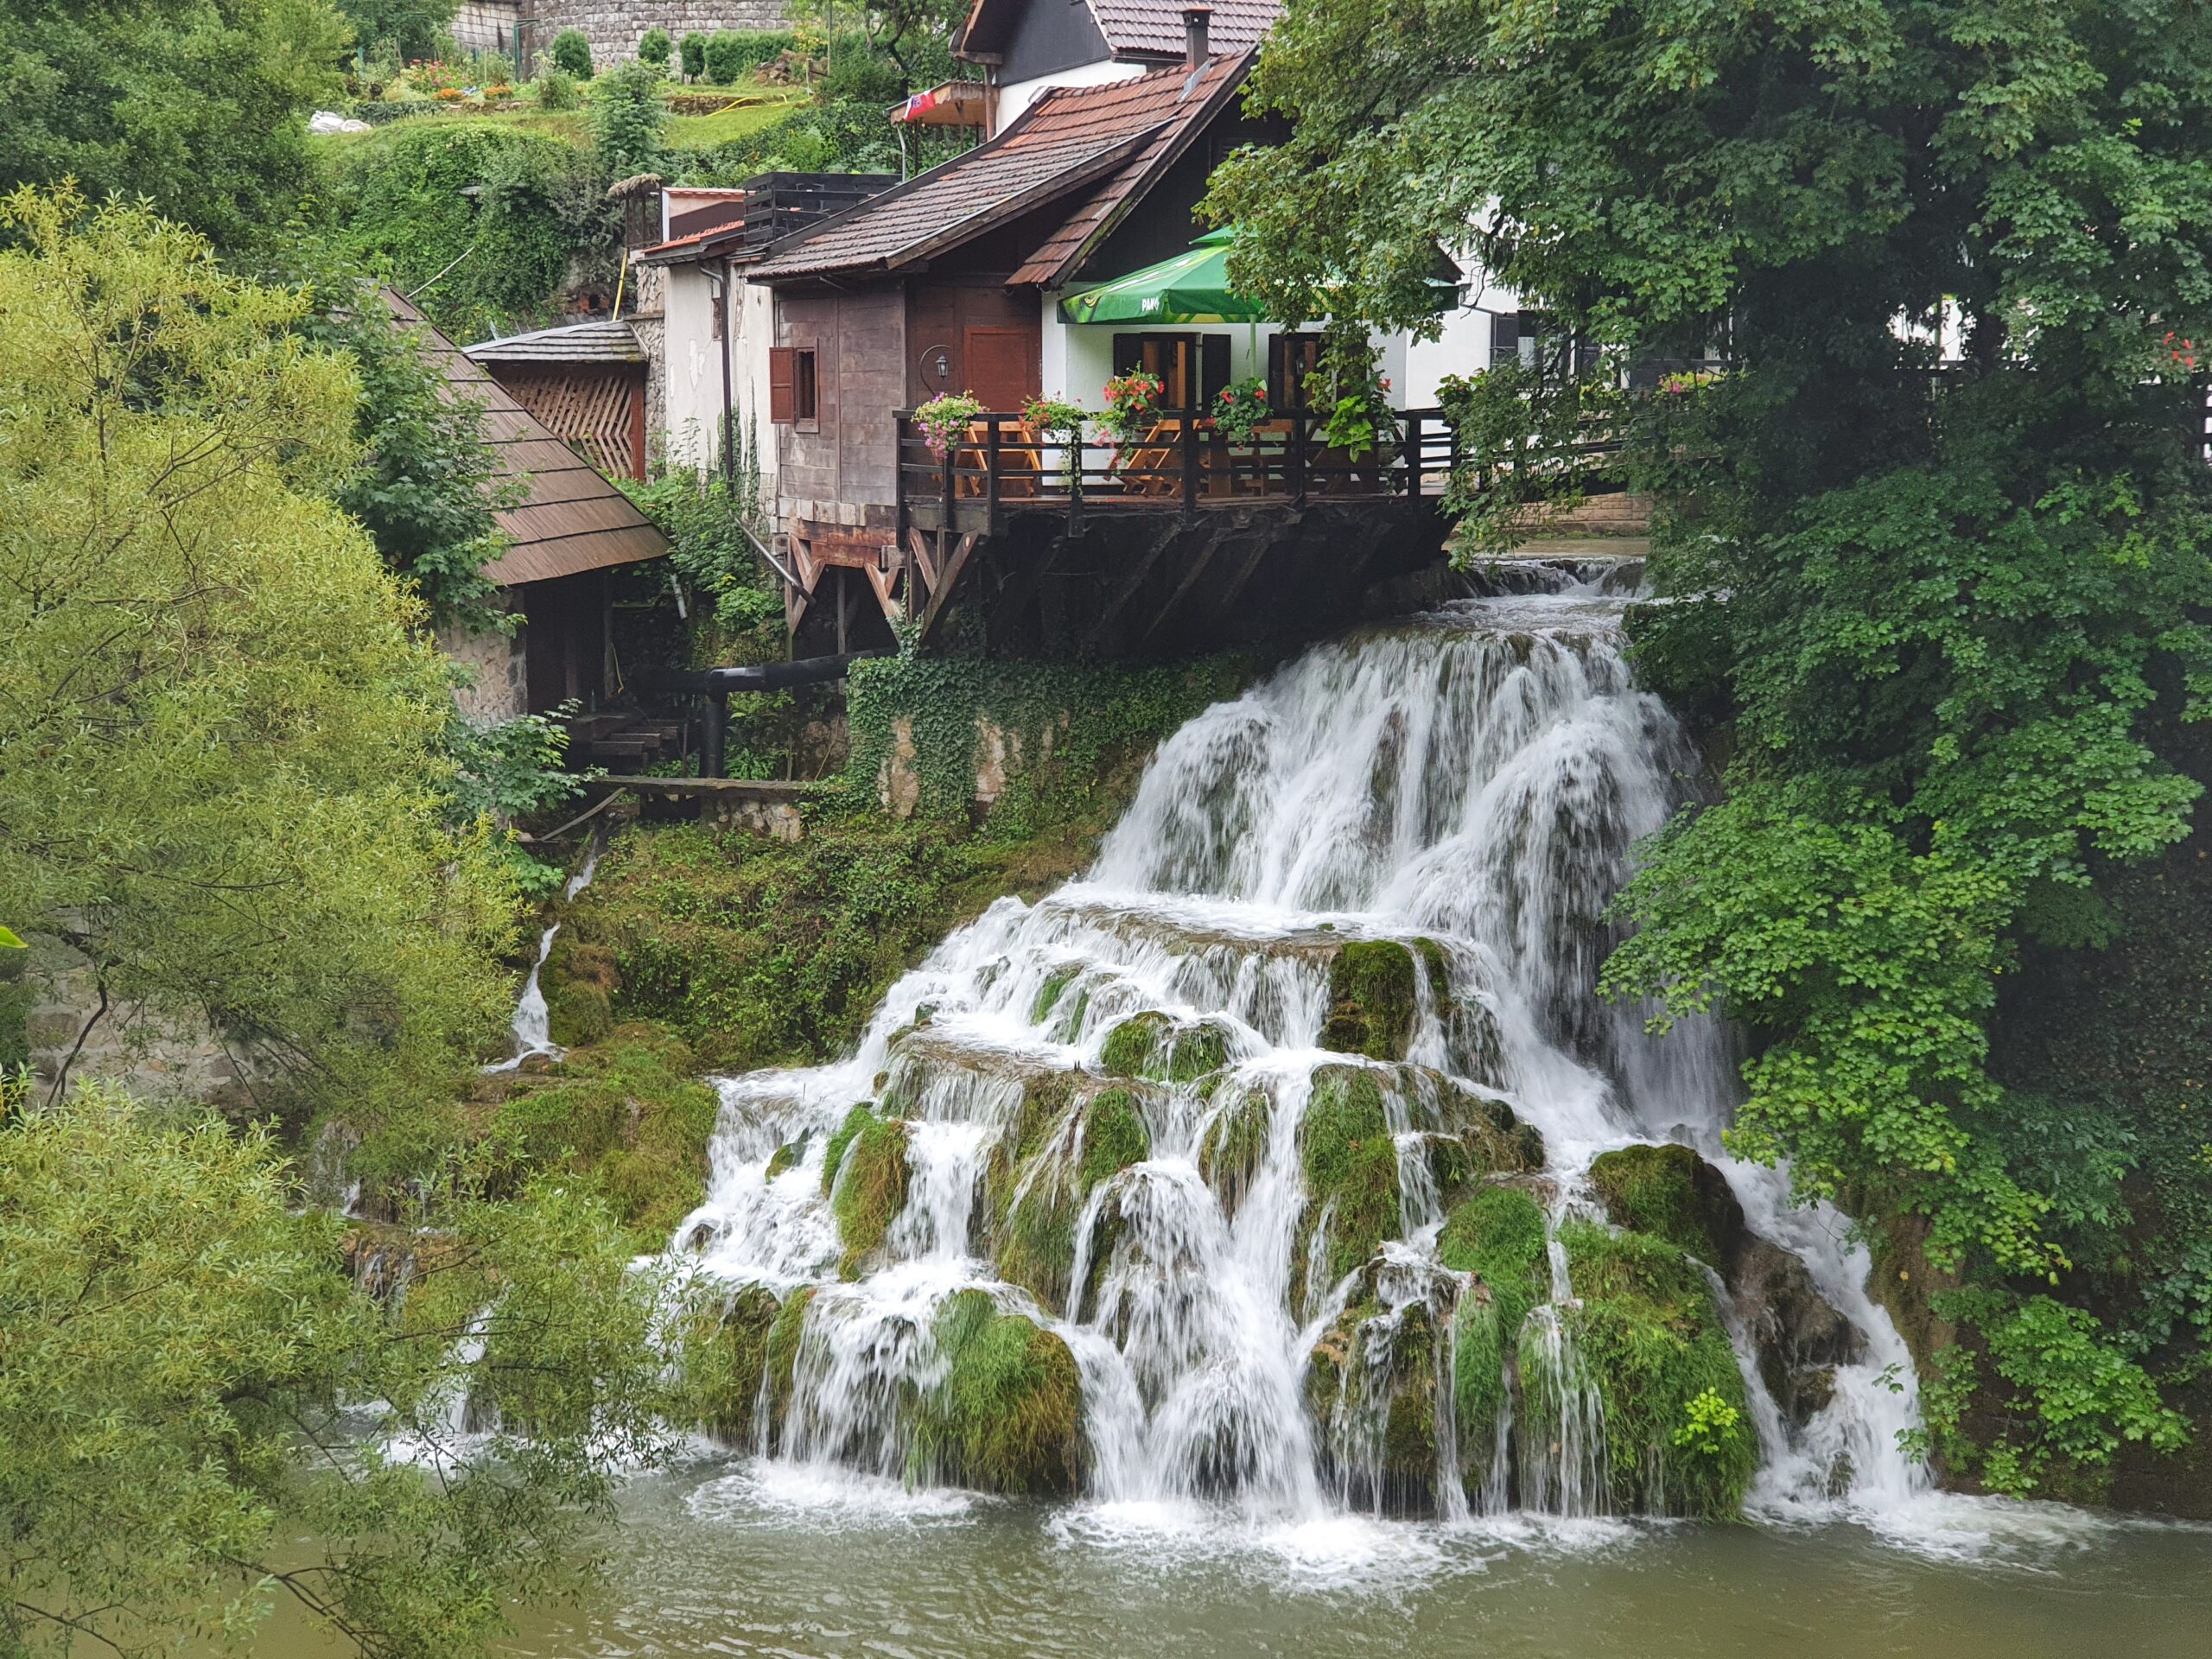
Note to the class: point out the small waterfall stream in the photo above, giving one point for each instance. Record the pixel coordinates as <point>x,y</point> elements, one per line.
<point>532,1022</point>
<point>1468,784</point>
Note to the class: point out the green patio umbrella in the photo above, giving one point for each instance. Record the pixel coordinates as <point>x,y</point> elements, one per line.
<point>1192,287</point>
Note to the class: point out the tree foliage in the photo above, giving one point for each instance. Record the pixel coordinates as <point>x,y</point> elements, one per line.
<point>185,1356</point>
<point>1944,603</point>
<point>220,777</point>
<point>201,105</point>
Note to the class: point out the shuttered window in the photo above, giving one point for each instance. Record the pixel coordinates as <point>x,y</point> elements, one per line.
<point>782,372</point>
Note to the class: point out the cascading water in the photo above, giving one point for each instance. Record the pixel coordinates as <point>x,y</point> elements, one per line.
<point>532,1024</point>
<point>1132,1114</point>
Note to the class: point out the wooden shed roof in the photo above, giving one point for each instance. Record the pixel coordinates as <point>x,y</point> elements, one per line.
<point>600,341</point>
<point>573,519</point>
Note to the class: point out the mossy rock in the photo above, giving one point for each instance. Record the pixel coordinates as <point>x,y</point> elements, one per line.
<point>1047,1001</point>
<point>1235,1145</point>
<point>1371,1000</point>
<point>1007,1417</point>
<point>1388,1464</point>
<point>1351,1162</point>
<point>1648,1331</point>
<point>870,1190</point>
<point>1114,1137</point>
<point>1157,1048</point>
<point>780,1356</point>
<point>1479,1137</point>
<point>1498,1236</point>
<point>787,1157</point>
<point>578,1013</point>
<point>1037,1201</point>
<point>724,1366</point>
<point>1671,1193</point>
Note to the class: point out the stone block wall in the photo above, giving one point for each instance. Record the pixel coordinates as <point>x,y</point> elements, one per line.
<point>155,1059</point>
<point>615,27</point>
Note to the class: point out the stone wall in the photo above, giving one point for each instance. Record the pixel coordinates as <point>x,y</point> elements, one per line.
<point>501,690</point>
<point>153,1058</point>
<point>615,27</point>
<point>486,25</point>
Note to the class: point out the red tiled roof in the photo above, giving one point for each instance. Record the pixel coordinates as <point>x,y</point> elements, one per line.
<point>1143,28</point>
<point>1070,138</point>
<point>1059,257</point>
<point>677,246</point>
<point>573,519</point>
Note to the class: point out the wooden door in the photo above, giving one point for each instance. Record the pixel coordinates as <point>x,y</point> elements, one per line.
<point>1001,366</point>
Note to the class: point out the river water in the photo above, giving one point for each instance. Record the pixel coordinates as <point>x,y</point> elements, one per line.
<point>744,1559</point>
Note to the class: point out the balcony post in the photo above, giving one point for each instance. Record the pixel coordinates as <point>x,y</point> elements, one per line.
<point>1190,466</point>
<point>991,474</point>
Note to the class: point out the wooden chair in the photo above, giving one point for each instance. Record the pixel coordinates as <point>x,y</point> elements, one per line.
<point>1153,465</point>
<point>1020,461</point>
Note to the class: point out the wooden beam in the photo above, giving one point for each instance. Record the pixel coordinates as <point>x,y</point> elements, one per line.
<point>1196,568</point>
<point>942,591</point>
<point>1126,589</point>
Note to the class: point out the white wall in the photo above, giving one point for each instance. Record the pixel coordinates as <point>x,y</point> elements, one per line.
<point>1078,359</point>
<point>694,375</point>
<point>1017,96</point>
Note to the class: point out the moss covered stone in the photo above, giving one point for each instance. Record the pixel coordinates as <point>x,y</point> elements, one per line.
<point>1159,1049</point>
<point>1371,1000</point>
<point>871,1189</point>
<point>1671,1193</point>
<point>1477,1137</point>
<point>1039,1195</point>
<point>786,1157</point>
<point>725,1359</point>
<point>1007,1417</point>
<point>1678,1428</point>
<point>580,982</point>
<point>1498,1236</point>
<point>780,1355</point>
<point>1114,1137</point>
<point>1370,1393</point>
<point>1049,993</point>
<point>1350,1163</point>
<point>1235,1145</point>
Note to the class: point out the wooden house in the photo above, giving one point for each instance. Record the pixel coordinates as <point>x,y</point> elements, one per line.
<point>572,531</point>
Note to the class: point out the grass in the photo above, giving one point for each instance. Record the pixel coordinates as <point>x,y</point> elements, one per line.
<point>764,109</point>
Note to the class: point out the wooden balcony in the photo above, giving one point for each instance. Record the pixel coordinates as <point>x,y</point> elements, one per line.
<point>1182,465</point>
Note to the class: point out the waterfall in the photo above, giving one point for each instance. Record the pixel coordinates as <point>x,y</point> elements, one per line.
<point>1463,789</point>
<point>532,1024</point>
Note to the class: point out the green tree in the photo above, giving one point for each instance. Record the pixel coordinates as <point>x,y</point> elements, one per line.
<point>572,53</point>
<point>627,118</point>
<point>653,49</point>
<point>411,26</point>
<point>480,224</point>
<point>186,1356</point>
<point>692,53</point>
<point>1945,604</point>
<point>200,104</point>
<point>221,777</point>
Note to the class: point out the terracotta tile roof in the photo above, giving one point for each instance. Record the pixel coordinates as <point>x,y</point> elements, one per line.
<point>677,246</point>
<point>1143,28</point>
<point>1070,138</point>
<point>1061,254</point>
<point>601,341</point>
<point>573,519</point>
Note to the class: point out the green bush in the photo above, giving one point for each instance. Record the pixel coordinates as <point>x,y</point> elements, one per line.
<point>556,89</point>
<point>730,54</point>
<point>859,75</point>
<point>627,117</point>
<point>572,53</point>
<point>538,206</point>
<point>653,49</point>
<point>692,55</point>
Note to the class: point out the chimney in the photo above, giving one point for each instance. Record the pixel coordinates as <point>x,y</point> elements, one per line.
<point>1195,19</point>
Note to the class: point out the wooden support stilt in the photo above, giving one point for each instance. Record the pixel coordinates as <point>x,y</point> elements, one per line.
<point>943,592</point>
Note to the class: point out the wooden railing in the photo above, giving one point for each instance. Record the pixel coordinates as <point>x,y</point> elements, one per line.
<point>1002,465</point>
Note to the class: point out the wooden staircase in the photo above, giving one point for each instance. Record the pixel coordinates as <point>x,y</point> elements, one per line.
<point>626,743</point>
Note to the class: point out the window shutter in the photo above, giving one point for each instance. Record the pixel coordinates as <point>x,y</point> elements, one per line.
<point>1213,373</point>
<point>1278,392</point>
<point>1504,336</point>
<point>782,381</point>
<point>1128,353</point>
